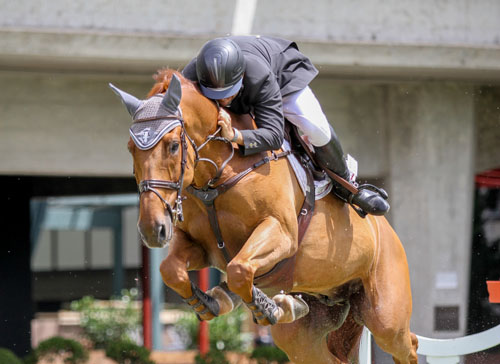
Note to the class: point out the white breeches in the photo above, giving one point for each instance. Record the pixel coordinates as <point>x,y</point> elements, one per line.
<point>303,110</point>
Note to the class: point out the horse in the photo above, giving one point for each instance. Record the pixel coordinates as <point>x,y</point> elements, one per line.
<point>348,272</point>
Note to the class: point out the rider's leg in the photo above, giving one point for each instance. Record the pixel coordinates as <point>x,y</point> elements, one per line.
<point>303,110</point>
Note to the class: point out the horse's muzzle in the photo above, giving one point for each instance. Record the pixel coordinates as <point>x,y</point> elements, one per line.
<point>158,233</point>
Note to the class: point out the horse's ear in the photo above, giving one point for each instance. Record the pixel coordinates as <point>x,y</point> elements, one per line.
<point>132,103</point>
<point>172,97</point>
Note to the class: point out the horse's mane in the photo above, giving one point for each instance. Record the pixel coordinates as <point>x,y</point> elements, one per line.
<point>163,78</point>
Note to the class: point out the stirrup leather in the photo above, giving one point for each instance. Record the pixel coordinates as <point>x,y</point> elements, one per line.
<point>262,306</point>
<point>211,305</point>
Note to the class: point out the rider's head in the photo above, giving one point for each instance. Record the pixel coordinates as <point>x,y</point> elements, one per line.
<point>220,66</point>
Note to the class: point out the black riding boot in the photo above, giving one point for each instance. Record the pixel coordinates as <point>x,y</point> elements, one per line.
<point>370,199</point>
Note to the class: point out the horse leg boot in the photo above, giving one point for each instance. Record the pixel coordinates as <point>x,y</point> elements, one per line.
<point>281,309</point>
<point>370,199</point>
<point>217,301</point>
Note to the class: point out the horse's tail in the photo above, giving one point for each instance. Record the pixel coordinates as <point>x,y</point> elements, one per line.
<point>344,342</point>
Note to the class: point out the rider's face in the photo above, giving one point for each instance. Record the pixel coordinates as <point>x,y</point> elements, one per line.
<point>227,101</point>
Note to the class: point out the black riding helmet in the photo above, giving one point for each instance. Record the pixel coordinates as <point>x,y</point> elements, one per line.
<point>220,66</point>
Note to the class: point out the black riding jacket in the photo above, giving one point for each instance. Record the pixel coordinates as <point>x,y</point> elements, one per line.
<point>274,68</point>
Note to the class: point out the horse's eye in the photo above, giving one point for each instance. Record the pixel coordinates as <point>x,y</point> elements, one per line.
<point>174,147</point>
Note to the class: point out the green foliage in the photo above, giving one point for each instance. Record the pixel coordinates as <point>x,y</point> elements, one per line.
<point>30,358</point>
<point>71,351</point>
<point>214,356</point>
<point>268,354</point>
<point>8,357</point>
<point>127,352</point>
<point>225,331</point>
<point>103,322</point>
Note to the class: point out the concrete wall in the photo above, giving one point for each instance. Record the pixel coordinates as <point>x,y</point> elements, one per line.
<point>60,124</point>
<point>431,154</point>
<point>487,115</point>
<point>425,39</point>
<point>443,22</point>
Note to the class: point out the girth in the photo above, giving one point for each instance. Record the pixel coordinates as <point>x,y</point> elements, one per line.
<point>208,195</point>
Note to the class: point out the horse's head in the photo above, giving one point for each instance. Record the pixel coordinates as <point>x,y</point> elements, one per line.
<point>164,157</point>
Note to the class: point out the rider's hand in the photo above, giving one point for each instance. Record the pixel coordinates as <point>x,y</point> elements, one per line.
<point>225,123</point>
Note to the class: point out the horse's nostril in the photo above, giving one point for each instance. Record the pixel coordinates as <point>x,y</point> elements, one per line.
<point>162,233</point>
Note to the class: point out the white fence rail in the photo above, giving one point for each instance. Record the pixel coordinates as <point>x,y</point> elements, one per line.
<point>441,351</point>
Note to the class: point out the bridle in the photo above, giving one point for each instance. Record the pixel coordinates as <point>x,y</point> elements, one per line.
<point>176,212</point>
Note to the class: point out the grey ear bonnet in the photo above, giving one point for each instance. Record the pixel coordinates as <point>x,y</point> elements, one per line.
<point>154,117</point>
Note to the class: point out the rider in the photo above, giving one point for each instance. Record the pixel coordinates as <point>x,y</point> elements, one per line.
<point>268,77</point>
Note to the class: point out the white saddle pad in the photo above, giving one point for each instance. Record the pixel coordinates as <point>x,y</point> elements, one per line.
<point>322,188</point>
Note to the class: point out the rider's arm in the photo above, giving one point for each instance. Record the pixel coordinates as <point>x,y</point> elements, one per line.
<point>265,97</point>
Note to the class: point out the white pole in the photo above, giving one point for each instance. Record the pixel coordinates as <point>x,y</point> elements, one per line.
<point>244,13</point>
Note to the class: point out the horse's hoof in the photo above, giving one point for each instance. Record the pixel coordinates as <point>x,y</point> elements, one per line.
<point>227,300</point>
<point>300,306</point>
<point>291,308</point>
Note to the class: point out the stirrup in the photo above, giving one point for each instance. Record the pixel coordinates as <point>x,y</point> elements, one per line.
<point>262,307</point>
<point>211,305</point>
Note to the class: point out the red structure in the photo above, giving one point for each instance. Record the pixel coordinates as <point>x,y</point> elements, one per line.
<point>204,338</point>
<point>147,327</point>
<point>490,179</point>
<point>494,291</point>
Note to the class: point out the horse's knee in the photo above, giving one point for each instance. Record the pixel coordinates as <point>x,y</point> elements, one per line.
<point>239,277</point>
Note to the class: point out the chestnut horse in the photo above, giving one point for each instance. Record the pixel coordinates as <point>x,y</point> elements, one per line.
<point>349,271</point>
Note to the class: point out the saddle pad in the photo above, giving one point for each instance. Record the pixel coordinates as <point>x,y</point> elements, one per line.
<point>322,188</point>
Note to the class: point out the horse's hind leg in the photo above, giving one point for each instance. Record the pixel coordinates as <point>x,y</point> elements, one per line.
<point>344,342</point>
<point>385,305</point>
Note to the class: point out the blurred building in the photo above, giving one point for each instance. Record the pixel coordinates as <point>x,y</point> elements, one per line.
<point>412,89</point>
